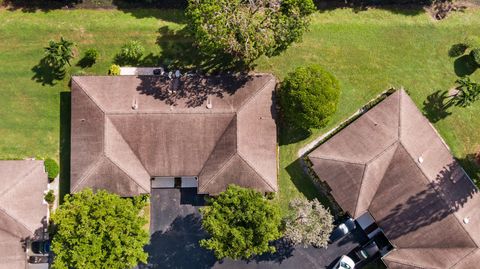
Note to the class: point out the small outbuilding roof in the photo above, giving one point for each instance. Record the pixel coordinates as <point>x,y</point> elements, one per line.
<point>23,212</point>
<point>392,163</point>
<point>127,129</point>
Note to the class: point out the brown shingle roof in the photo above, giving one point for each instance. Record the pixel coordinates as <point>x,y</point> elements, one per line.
<point>22,211</point>
<point>117,148</point>
<point>392,163</point>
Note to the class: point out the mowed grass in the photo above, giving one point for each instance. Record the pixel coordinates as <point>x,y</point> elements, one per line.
<point>368,51</point>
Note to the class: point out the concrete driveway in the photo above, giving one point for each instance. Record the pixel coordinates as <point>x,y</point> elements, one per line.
<point>176,229</point>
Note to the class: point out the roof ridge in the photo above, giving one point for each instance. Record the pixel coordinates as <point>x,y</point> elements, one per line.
<point>17,182</point>
<point>89,171</point>
<point>229,159</point>
<point>131,179</point>
<point>16,220</point>
<point>439,195</point>
<point>465,257</point>
<point>389,163</point>
<point>216,142</point>
<point>128,145</point>
<point>255,170</point>
<point>335,160</point>
<point>11,186</point>
<point>248,100</point>
<point>360,189</point>
<point>82,87</point>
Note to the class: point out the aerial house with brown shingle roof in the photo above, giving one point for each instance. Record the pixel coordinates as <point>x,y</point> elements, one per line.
<point>392,164</point>
<point>127,130</point>
<point>23,211</point>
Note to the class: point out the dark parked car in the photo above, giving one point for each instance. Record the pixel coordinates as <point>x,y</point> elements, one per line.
<point>368,251</point>
<point>40,247</point>
<point>343,229</point>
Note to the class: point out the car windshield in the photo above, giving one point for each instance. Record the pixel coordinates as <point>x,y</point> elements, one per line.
<point>345,265</point>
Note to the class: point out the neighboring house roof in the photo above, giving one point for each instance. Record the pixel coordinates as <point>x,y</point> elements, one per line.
<point>117,148</point>
<point>392,163</point>
<point>22,210</point>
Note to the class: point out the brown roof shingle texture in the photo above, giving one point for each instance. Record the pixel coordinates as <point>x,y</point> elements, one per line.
<point>22,211</point>
<point>392,163</point>
<point>117,148</point>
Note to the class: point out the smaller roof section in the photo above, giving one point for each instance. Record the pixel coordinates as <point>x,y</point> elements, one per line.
<point>23,212</point>
<point>392,163</point>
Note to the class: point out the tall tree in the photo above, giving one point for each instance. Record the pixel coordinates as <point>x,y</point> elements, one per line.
<point>247,29</point>
<point>99,230</point>
<point>241,223</point>
<point>309,223</point>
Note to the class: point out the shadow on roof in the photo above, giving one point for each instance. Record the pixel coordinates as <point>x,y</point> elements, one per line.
<point>432,204</point>
<point>195,89</point>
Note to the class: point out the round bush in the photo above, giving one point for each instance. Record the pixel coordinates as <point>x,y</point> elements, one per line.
<point>457,50</point>
<point>131,53</point>
<point>309,96</point>
<point>51,167</point>
<point>49,197</point>
<point>475,53</point>
<point>91,56</point>
<point>114,70</point>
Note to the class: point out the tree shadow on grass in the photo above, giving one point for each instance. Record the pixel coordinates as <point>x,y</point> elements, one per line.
<point>179,51</point>
<point>65,113</point>
<point>85,62</point>
<point>46,74</point>
<point>436,106</point>
<point>407,8</point>
<point>464,65</point>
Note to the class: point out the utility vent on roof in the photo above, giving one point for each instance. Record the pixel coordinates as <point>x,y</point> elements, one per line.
<point>420,159</point>
<point>134,104</point>
<point>466,220</point>
<point>209,103</point>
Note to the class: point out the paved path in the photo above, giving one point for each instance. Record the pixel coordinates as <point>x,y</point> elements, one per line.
<point>176,229</point>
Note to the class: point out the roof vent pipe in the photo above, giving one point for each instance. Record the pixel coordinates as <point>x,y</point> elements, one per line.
<point>420,159</point>
<point>466,220</point>
<point>209,103</point>
<point>134,104</point>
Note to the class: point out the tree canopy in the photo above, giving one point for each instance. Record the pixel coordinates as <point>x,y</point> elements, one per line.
<point>58,54</point>
<point>241,223</point>
<point>309,224</point>
<point>99,230</point>
<point>309,96</point>
<point>244,30</point>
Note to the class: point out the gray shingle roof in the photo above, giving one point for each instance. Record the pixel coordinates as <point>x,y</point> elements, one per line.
<point>117,148</point>
<point>22,211</point>
<point>392,163</point>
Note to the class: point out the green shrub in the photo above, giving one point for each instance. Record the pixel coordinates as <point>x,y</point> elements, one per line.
<point>58,54</point>
<point>90,58</point>
<point>49,197</point>
<point>114,70</point>
<point>309,96</point>
<point>51,167</point>
<point>130,54</point>
<point>475,53</point>
<point>457,50</point>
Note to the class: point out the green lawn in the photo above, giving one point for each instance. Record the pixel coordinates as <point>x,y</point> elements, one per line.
<point>368,51</point>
